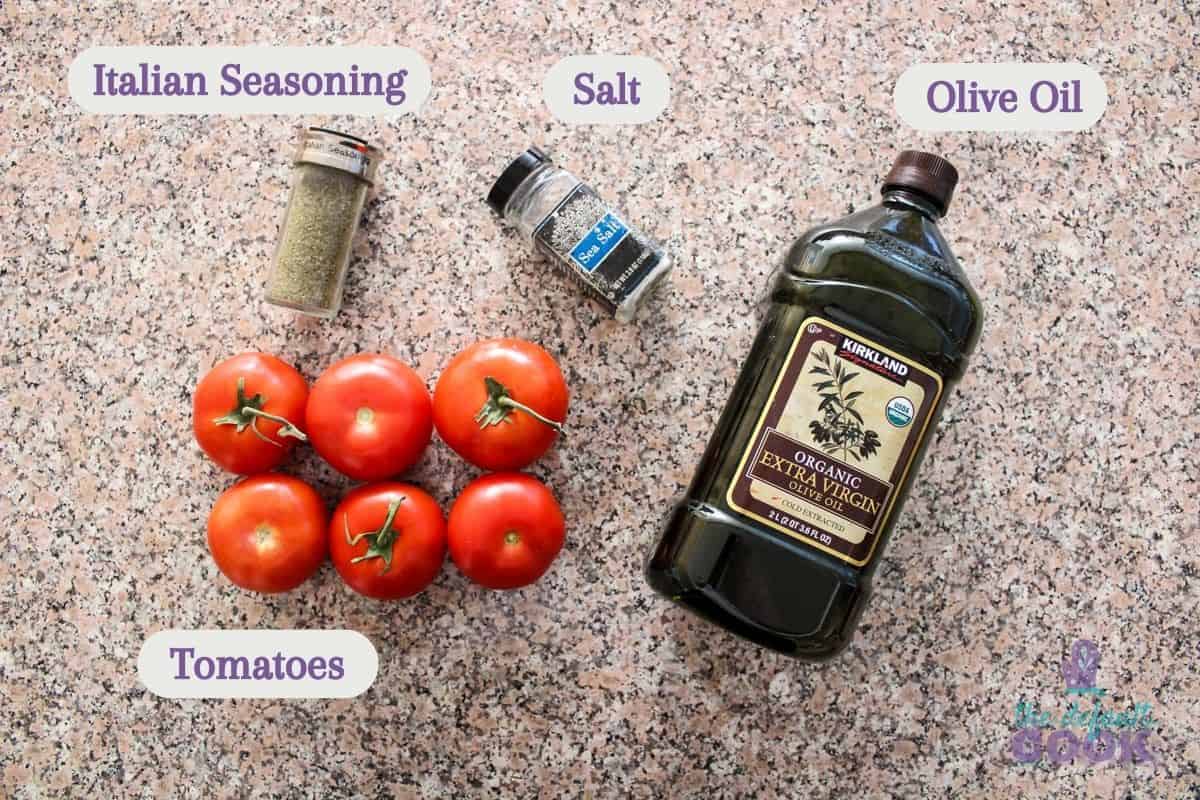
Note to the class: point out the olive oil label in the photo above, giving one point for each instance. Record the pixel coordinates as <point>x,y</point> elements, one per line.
<point>835,441</point>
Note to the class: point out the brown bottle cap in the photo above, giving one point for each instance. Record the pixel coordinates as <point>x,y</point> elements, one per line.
<point>932,176</point>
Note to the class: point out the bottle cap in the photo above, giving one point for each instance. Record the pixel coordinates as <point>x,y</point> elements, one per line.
<point>930,175</point>
<point>512,177</point>
<point>340,151</point>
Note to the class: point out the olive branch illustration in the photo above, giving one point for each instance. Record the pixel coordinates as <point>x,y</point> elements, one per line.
<point>841,430</point>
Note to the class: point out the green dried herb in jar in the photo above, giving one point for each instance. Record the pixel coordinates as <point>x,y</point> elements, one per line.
<point>333,172</point>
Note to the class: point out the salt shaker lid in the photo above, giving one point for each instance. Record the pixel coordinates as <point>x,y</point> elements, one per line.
<point>514,174</point>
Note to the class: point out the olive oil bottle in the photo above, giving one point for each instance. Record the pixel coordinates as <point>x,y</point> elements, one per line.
<point>868,327</point>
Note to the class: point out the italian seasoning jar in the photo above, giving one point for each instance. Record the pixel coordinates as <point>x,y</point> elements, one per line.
<point>583,236</point>
<point>330,179</point>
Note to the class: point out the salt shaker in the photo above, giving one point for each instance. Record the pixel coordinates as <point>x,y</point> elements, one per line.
<point>568,223</point>
<point>331,176</point>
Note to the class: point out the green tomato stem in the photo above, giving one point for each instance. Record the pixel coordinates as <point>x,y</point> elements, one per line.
<point>248,410</point>
<point>379,542</point>
<point>287,428</point>
<point>500,405</point>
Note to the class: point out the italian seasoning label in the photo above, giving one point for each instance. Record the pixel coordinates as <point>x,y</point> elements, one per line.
<point>835,441</point>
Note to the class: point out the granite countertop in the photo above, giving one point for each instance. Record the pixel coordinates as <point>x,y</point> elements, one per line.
<point>1058,502</point>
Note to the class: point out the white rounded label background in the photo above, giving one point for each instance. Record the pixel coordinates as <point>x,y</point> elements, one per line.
<point>574,80</point>
<point>225,78</point>
<point>234,656</point>
<point>1006,97</point>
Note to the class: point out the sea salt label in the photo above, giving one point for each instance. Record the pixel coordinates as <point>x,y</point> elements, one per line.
<point>595,246</point>
<point>607,257</point>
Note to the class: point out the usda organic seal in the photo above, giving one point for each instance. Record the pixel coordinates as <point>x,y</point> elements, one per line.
<point>899,411</point>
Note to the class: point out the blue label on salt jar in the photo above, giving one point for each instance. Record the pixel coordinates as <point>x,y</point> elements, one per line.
<point>598,242</point>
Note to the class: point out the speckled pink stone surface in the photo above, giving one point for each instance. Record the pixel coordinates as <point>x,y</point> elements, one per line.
<point>1059,500</point>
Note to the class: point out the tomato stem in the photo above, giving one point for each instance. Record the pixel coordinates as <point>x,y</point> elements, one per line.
<point>248,410</point>
<point>500,405</point>
<point>286,428</point>
<point>379,542</point>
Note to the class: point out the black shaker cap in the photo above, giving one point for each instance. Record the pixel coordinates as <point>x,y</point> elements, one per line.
<point>516,172</point>
<point>930,175</point>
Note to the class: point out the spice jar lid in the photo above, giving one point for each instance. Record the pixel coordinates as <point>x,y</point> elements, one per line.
<point>514,174</point>
<point>932,176</point>
<point>340,151</point>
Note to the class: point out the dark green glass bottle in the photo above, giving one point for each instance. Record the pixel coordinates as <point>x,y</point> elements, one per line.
<point>869,325</point>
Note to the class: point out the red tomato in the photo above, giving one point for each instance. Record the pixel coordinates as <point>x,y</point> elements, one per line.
<point>388,540</point>
<point>505,530</point>
<point>500,403</point>
<point>247,412</point>
<point>370,416</point>
<point>267,533</point>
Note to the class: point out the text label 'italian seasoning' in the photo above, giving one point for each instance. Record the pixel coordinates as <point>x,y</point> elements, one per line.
<point>250,80</point>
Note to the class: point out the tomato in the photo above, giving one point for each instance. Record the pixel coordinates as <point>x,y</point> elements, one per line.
<point>388,540</point>
<point>370,416</point>
<point>247,412</point>
<point>505,530</point>
<point>500,403</point>
<point>268,532</point>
